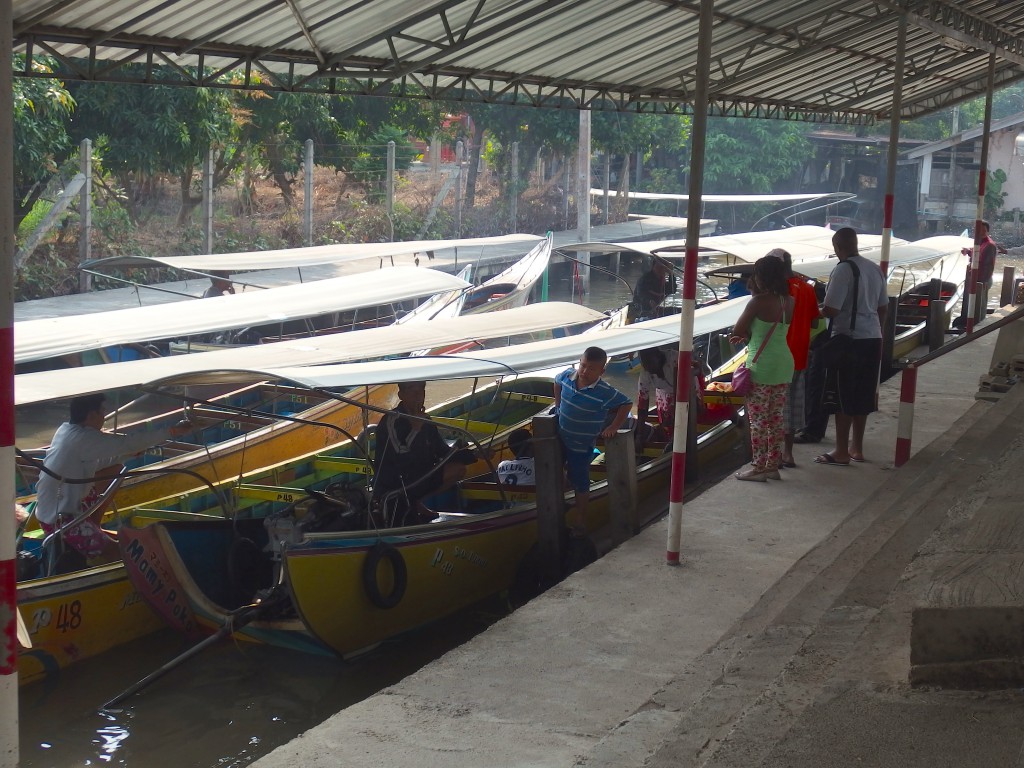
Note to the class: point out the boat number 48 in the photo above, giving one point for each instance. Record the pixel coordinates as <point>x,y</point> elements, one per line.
<point>69,617</point>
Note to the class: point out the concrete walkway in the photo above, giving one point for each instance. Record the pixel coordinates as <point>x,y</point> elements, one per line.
<point>783,640</point>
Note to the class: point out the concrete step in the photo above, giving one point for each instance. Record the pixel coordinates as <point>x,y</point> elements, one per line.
<point>741,697</point>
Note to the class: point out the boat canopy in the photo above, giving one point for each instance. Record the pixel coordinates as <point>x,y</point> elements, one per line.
<point>302,257</point>
<point>366,344</point>
<point>836,196</point>
<point>902,255</point>
<point>803,242</point>
<point>504,361</point>
<point>56,336</point>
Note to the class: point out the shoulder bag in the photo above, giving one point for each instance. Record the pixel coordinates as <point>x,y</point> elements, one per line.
<point>837,351</point>
<point>742,379</point>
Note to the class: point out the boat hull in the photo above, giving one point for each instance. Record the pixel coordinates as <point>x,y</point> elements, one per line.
<point>79,615</point>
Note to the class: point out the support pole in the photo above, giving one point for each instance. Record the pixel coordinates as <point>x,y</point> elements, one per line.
<point>8,584</point>
<point>458,188</point>
<point>685,373</point>
<point>905,426</point>
<point>1006,293</point>
<point>894,141</point>
<point>85,214</point>
<point>583,197</point>
<point>307,177</point>
<point>514,189</point>
<point>936,324</point>
<point>547,453</point>
<point>620,461</point>
<point>889,337</point>
<point>208,202</point>
<point>607,179</point>
<point>389,182</point>
<point>972,305</point>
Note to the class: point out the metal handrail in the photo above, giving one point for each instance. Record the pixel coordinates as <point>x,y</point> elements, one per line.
<point>908,381</point>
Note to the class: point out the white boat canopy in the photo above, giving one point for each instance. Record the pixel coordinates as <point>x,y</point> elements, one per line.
<point>837,196</point>
<point>55,336</point>
<point>901,255</point>
<point>505,361</point>
<point>302,257</point>
<point>366,344</point>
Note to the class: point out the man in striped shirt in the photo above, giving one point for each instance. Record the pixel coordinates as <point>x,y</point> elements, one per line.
<point>588,407</point>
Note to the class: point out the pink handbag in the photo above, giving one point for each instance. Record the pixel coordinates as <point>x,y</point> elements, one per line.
<point>742,379</point>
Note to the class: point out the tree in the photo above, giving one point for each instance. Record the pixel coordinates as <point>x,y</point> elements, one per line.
<point>42,110</point>
<point>143,131</point>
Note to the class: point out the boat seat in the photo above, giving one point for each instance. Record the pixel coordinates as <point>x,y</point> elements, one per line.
<point>339,464</point>
<point>216,414</point>
<point>276,493</point>
<point>480,490</point>
<point>476,427</point>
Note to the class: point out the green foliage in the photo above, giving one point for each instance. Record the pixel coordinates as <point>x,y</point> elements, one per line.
<point>994,195</point>
<point>370,166</point>
<point>33,218</point>
<point>42,109</point>
<point>744,155</point>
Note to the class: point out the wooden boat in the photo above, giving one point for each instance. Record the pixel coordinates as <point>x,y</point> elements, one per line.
<point>511,287</point>
<point>79,614</point>
<point>270,557</point>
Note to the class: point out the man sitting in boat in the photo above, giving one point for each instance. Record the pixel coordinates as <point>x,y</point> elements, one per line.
<point>412,459</point>
<point>220,285</point>
<point>653,287</point>
<point>78,466</point>
<point>519,470</point>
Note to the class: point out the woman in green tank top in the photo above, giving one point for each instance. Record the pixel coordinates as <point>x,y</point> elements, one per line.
<point>763,325</point>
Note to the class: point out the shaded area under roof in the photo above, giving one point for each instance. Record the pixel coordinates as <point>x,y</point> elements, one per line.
<point>817,60</point>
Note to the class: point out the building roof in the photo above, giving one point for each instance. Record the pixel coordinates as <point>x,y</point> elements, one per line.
<point>1013,122</point>
<point>816,60</point>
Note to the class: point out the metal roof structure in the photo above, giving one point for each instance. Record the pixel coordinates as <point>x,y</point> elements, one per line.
<point>814,60</point>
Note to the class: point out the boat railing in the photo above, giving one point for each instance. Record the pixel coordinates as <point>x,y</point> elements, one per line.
<point>908,381</point>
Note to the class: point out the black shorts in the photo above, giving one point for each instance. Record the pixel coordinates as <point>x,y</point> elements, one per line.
<point>857,382</point>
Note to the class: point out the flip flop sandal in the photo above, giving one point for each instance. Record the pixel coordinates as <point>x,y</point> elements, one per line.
<point>829,461</point>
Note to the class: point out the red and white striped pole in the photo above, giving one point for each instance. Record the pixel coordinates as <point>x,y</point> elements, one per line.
<point>684,376</point>
<point>894,141</point>
<point>8,573</point>
<point>905,425</point>
<point>972,304</point>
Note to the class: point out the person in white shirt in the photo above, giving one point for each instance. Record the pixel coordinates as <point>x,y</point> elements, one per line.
<point>657,386</point>
<point>518,471</point>
<point>82,451</point>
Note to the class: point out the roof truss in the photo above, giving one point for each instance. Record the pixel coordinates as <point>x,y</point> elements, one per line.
<point>816,60</point>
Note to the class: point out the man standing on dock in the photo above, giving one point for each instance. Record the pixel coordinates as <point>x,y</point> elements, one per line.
<point>987,250</point>
<point>856,301</point>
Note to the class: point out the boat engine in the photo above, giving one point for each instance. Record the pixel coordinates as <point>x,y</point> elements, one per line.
<point>339,507</point>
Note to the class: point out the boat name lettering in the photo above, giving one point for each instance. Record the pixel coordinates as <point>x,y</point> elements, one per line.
<point>232,425</point>
<point>473,557</point>
<point>136,553</point>
<point>131,599</point>
<point>530,398</point>
<point>286,497</point>
<point>40,619</point>
<point>446,566</point>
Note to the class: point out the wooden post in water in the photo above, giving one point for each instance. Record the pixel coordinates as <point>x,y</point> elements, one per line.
<point>1006,294</point>
<point>620,461</point>
<point>936,315</point>
<point>888,338</point>
<point>936,324</point>
<point>547,453</point>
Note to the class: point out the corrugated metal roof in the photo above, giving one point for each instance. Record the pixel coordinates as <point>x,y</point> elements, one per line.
<point>823,60</point>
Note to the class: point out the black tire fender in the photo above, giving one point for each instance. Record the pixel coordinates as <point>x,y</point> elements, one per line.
<point>381,551</point>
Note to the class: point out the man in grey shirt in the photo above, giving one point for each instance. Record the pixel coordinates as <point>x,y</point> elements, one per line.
<point>862,319</point>
<point>81,450</point>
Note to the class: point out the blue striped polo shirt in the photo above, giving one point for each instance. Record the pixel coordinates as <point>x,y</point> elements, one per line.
<point>582,413</point>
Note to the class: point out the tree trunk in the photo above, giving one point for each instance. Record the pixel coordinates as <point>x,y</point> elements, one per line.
<point>621,206</point>
<point>279,175</point>
<point>188,201</point>
<point>474,163</point>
